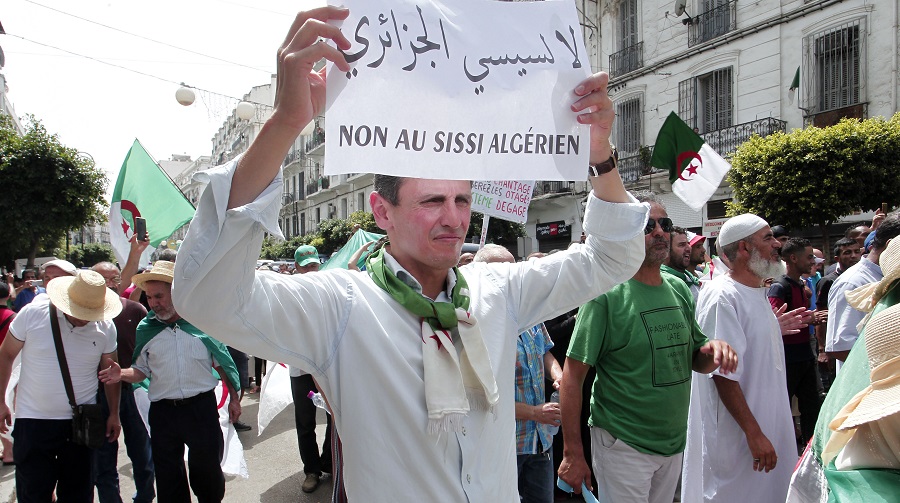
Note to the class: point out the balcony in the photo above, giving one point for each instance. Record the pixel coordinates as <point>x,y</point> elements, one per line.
<point>316,139</point>
<point>543,188</point>
<point>712,23</point>
<point>293,156</point>
<point>627,60</point>
<point>726,140</point>
<point>633,167</point>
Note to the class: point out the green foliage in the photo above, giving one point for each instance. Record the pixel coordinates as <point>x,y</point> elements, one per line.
<point>499,231</point>
<point>90,254</point>
<point>327,238</point>
<point>49,189</point>
<point>814,176</point>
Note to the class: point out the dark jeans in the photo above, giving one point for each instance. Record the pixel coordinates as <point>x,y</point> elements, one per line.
<point>802,382</point>
<point>305,419</point>
<point>242,362</point>
<point>536,477</point>
<point>195,425</point>
<point>137,444</point>
<point>47,459</point>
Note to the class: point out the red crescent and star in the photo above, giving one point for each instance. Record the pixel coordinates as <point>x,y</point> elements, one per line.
<point>692,168</point>
<point>127,205</point>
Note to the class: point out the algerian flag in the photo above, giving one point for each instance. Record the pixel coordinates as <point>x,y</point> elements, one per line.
<point>695,169</point>
<point>795,84</point>
<point>144,190</point>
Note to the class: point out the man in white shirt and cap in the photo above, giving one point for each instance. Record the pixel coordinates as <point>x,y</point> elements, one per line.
<point>748,443</point>
<point>417,358</point>
<point>46,457</point>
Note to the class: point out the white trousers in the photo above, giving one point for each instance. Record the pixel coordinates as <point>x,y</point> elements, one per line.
<point>625,475</point>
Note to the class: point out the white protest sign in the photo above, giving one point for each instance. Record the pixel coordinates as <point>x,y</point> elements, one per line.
<point>506,199</point>
<point>461,89</point>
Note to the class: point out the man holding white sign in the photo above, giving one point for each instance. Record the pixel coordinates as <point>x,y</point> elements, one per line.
<point>416,357</point>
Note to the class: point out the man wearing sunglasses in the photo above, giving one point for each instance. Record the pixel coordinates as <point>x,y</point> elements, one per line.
<point>643,341</point>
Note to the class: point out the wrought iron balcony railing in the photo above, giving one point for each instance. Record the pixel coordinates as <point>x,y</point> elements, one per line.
<point>726,140</point>
<point>628,59</point>
<point>712,23</point>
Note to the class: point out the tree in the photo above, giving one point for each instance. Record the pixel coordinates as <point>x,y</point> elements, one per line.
<point>49,188</point>
<point>499,231</point>
<point>90,254</point>
<point>814,176</point>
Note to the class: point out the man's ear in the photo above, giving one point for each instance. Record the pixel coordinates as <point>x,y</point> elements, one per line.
<point>380,210</point>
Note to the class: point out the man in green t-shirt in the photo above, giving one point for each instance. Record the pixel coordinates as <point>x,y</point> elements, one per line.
<point>643,340</point>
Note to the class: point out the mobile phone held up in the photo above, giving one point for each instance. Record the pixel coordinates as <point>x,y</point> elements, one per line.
<point>140,228</point>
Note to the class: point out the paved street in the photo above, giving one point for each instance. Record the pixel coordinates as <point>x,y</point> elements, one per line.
<point>273,462</point>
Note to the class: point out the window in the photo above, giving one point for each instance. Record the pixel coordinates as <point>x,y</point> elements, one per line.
<point>302,224</point>
<point>833,67</point>
<point>706,102</point>
<point>629,135</point>
<point>344,208</point>
<point>360,201</point>
<point>630,55</point>
<point>295,226</point>
<point>318,215</point>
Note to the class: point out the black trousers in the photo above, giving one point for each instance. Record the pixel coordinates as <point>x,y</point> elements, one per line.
<point>305,419</point>
<point>194,424</point>
<point>46,459</point>
<point>802,381</point>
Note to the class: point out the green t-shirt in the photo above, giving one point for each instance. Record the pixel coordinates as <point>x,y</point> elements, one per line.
<point>642,340</point>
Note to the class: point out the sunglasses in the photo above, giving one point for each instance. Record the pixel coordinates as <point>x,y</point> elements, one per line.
<point>664,223</point>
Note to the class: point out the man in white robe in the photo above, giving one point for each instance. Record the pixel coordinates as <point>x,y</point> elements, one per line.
<point>748,448</point>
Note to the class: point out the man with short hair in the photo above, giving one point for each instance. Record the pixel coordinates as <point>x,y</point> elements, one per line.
<point>179,360</point>
<point>27,290</point>
<point>384,345</point>
<point>534,416</point>
<point>800,361</point>
<point>679,260</point>
<point>842,317</point>
<point>315,462</point>
<point>748,445</point>
<point>46,457</point>
<point>642,339</point>
<point>781,234</point>
<point>137,439</point>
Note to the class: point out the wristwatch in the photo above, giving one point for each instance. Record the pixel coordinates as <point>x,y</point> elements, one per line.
<point>605,166</point>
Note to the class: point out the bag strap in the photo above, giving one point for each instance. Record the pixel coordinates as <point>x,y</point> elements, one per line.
<point>61,356</point>
<point>7,321</point>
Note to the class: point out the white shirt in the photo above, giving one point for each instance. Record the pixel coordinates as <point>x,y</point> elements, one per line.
<point>742,317</point>
<point>842,317</point>
<point>178,365</point>
<point>365,350</point>
<point>41,393</point>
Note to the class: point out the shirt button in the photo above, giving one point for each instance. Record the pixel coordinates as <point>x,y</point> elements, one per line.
<point>464,431</point>
<point>469,479</point>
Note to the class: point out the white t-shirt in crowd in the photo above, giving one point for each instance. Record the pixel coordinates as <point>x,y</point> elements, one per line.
<point>41,393</point>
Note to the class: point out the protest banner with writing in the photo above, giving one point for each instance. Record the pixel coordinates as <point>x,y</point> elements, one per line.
<point>506,199</point>
<point>446,91</point>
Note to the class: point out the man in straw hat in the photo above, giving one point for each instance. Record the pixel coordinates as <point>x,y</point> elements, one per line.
<point>44,454</point>
<point>748,442</point>
<point>179,359</point>
<point>412,349</point>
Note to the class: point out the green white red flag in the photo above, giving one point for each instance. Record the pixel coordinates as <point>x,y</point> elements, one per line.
<point>695,169</point>
<point>144,190</point>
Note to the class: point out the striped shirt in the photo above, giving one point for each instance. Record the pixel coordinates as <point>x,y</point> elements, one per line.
<point>178,365</point>
<point>530,349</point>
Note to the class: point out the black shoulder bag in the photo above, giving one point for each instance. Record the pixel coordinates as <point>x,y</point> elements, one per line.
<point>88,421</point>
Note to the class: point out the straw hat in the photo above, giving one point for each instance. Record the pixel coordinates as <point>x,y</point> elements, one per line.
<point>84,296</point>
<point>882,397</point>
<point>865,297</point>
<point>162,270</point>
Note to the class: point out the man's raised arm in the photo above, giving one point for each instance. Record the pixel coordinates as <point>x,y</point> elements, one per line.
<point>299,96</point>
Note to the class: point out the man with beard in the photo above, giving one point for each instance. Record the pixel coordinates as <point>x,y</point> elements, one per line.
<point>642,339</point>
<point>679,260</point>
<point>748,443</point>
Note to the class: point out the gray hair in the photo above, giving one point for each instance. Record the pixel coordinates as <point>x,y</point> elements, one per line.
<point>647,196</point>
<point>493,253</point>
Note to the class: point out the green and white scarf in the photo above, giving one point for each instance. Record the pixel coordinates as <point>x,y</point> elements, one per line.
<point>454,384</point>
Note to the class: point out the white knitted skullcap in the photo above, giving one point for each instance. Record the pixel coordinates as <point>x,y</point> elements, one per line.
<point>740,227</point>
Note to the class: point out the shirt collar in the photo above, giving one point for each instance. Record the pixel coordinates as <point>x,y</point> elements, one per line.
<point>410,281</point>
